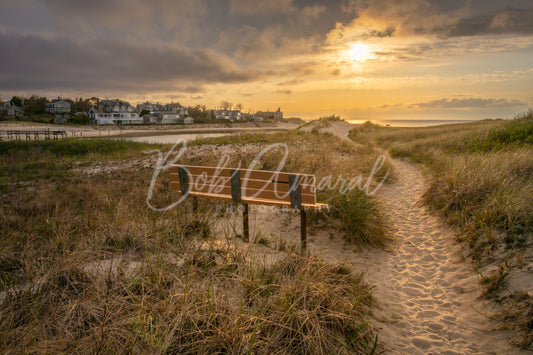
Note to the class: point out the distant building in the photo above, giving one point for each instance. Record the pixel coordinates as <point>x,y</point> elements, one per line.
<point>175,108</point>
<point>232,115</point>
<point>188,120</point>
<point>114,112</point>
<point>57,107</point>
<point>164,114</point>
<point>276,115</point>
<point>150,107</point>
<point>171,117</point>
<point>8,109</point>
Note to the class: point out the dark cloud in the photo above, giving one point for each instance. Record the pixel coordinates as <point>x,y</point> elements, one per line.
<point>507,21</point>
<point>388,18</point>
<point>31,62</point>
<point>284,92</point>
<point>470,103</point>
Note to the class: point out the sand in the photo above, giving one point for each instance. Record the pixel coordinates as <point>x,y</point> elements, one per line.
<point>340,128</point>
<point>427,292</point>
<point>91,131</point>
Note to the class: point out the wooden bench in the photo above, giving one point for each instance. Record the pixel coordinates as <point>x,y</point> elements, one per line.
<point>246,187</point>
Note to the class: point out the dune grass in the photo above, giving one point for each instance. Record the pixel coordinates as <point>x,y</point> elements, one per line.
<point>31,160</point>
<point>86,266</point>
<point>480,180</point>
<point>324,156</point>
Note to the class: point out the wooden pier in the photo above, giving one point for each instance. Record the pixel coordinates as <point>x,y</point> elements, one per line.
<point>34,134</point>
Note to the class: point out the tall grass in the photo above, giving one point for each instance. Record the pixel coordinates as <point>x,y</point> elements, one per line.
<point>323,155</point>
<point>31,160</point>
<point>481,180</point>
<point>87,267</point>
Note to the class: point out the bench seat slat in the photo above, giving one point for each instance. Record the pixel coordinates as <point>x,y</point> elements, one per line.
<point>248,193</point>
<point>198,180</point>
<point>253,183</point>
<point>245,173</point>
<point>259,201</point>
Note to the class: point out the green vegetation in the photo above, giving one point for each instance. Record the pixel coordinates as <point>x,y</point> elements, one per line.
<point>86,266</point>
<point>31,160</point>
<point>481,180</point>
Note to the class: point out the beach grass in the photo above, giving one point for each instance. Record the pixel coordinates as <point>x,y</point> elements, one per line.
<point>86,266</point>
<point>335,163</point>
<point>481,181</point>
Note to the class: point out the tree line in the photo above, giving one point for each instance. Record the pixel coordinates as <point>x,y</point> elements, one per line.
<point>35,105</point>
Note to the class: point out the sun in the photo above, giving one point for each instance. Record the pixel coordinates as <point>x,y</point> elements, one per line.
<point>359,52</point>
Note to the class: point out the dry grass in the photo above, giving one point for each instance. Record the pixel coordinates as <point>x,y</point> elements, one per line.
<point>322,155</point>
<point>481,180</point>
<point>87,267</point>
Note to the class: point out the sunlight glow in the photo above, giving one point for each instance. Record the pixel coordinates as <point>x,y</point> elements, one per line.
<point>359,52</point>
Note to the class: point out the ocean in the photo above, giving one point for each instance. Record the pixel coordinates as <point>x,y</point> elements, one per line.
<point>411,123</point>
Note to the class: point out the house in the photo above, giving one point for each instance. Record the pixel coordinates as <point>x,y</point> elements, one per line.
<point>276,115</point>
<point>114,112</point>
<point>175,108</point>
<point>232,115</point>
<point>57,107</point>
<point>164,114</point>
<point>188,120</point>
<point>148,106</point>
<point>171,117</point>
<point>8,109</point>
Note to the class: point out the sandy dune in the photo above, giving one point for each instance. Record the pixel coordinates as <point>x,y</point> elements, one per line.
<point>428,293</point>
<point>427,290</point>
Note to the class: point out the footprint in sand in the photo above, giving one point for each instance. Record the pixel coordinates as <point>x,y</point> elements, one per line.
<point>428,294</point>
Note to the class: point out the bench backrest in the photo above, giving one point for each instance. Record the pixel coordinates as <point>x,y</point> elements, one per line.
<point>244,185</point>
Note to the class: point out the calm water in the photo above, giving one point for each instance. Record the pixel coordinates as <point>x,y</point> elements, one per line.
<point>173,138</point>
<point>411,123</point>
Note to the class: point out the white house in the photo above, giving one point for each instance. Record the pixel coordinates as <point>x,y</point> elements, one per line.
<point>175,108</point>
<point>276,115</point>
<point>8,109</point>
<point>188,120</point>
<point>103,118</point>
<point>232,115</point>
<point>57,107</point>
<point>150,107</point>
<point>171,117</point>
<point>114,112</point>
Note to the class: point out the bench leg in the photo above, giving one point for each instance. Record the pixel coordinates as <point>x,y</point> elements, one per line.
<point>194,203</point>
<point>245,226</point>
<point>303,230</point>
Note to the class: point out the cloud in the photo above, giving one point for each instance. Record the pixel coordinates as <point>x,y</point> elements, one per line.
<point>470,102</point>
<point>403,18</point>
<point>32,62</point>
<point>311,13</point>
<point>506,21</point>
<point>284,92</point>
<point>246,7</point>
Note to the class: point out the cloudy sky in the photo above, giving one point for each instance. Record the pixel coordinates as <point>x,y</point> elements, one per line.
<point>361,59</point>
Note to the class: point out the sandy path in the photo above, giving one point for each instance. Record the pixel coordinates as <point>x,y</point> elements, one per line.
<point>427,291</point>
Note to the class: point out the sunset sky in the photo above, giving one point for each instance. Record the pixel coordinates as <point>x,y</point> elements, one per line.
<point>360,59</point>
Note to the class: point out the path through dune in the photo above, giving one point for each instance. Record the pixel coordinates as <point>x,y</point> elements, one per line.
<point>427,291</point>
<point>428,295</point>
